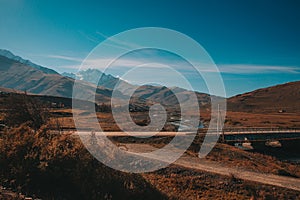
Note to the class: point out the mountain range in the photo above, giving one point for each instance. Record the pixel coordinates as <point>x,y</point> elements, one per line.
<point>96,77</point>
<point>20,74</point>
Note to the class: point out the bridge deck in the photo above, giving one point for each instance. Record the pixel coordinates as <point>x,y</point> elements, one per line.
<point>261,135</point>
<point>228,135</point>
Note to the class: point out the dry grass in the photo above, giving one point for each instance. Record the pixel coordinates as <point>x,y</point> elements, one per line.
<point>234,157</point>
<point>243,119</point>
<point>233,120</point>
<point>180,183</point>
<point>55,166</point>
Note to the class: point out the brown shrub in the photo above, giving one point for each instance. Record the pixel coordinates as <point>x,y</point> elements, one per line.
<point>58,166</point>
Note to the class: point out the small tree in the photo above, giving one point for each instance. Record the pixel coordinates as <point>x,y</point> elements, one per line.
<point>21,108</point>
<point>103,108</point>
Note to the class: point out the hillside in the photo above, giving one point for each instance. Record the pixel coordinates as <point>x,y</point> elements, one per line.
<point>276,99</point>
<point>18,59</point>
<point>19,76</point>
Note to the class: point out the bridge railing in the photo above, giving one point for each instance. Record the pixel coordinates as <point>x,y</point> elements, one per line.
<point>261,130</point>
<point>254,130</point>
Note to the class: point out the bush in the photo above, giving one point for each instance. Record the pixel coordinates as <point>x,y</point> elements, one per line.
<point>21,108</point>
<point>55,166</point>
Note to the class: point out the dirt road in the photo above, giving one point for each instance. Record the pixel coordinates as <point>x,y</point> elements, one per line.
<point>215,167</point>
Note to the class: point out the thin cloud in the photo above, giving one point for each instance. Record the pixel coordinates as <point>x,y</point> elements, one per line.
<point>256,69</point>
<point>68,58</point>
<point>118,43</point>
<point>90,38</point>
<point>101,64</point>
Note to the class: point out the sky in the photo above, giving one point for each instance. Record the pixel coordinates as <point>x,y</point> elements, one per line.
<point>254,43</point>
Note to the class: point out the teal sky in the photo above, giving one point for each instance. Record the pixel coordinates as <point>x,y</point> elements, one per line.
<point>254,43</point>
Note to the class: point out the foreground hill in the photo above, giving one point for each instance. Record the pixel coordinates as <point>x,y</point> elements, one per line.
<point>279,99</point>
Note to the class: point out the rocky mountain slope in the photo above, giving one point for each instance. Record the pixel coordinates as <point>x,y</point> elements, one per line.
<point>8,54</point>
<point>19,76</point>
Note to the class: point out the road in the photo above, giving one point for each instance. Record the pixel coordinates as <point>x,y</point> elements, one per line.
<point>218,168</point>
<point>209,166</point>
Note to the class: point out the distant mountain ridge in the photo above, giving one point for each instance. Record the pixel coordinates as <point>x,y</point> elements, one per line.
<point>37,80</point>
<point>96,77</point>
<point>19,74</point>
<point>10,55</point>
<point>155,93</point>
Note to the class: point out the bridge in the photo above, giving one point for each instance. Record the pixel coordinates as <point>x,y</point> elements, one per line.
<point>226,135</point>
<point>259,134</point>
